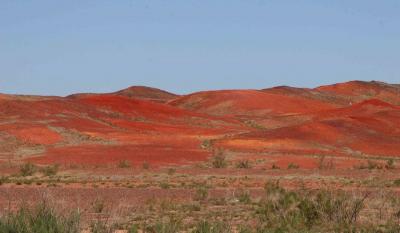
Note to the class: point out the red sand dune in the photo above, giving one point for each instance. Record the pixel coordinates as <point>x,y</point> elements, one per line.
<point>350,122</point>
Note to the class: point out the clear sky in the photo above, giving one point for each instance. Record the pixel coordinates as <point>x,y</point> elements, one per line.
<point>62,47</point>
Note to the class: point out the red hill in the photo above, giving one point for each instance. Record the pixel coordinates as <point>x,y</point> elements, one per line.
<point>147,93</point>
<point>248,103</point>
<point>357,91</point>
<point>357,120</point>
<point>137,92</point>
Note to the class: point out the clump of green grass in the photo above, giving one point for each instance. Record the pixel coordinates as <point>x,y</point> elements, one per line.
<point>212,227</point>
<point>100,226</point>
<point>41,219</point>
<point>172,225</point>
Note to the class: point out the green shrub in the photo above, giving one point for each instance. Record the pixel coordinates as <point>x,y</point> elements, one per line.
<point>133,229</point>
<point>164,185</point>
<point>275,167</point>
<point>192,207</point>
<point>218,159</point>
<point>124,164</point>
<point>28,182</point>
<point>27,169</point>
<point>171,171</point>
<point>206,144</point>
<point>98,206</point>
<point>374,165</point>
<point>4,179</point>
<point>371,165</point>
<point>288,211</point>
<point>243,197</point>
<point>243,164</point>
<point>253,124</point>
<point>245,229</point>
<point>146,165</point>
<point>324,164</point>
<point>50,170</point>
<point>201,193</point>
<point>396,182</point>
<point>293,166</point>
<point>390,164</point>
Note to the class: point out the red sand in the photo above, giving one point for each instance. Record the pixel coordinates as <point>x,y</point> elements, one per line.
<point>248,102</point>
<point>34,134</point>
<point>137,155</point>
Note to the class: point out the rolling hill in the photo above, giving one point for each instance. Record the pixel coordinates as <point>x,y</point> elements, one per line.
<point>353,120</point>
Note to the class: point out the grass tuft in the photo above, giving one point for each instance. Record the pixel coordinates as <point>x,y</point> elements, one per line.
<point>41,219</point>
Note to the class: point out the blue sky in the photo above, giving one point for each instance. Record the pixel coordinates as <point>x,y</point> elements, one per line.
<point>62,47</point>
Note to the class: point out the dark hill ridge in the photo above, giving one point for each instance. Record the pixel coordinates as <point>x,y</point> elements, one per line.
<point>137,92</point>
<point>147,93</point>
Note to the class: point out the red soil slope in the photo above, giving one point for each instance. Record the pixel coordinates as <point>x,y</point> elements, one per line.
<point>104,129</point>
<point>357,91</point>
<point>248,103</point>
<point>370,129</point>
<point>349,122</point>
<point>311,94</point>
